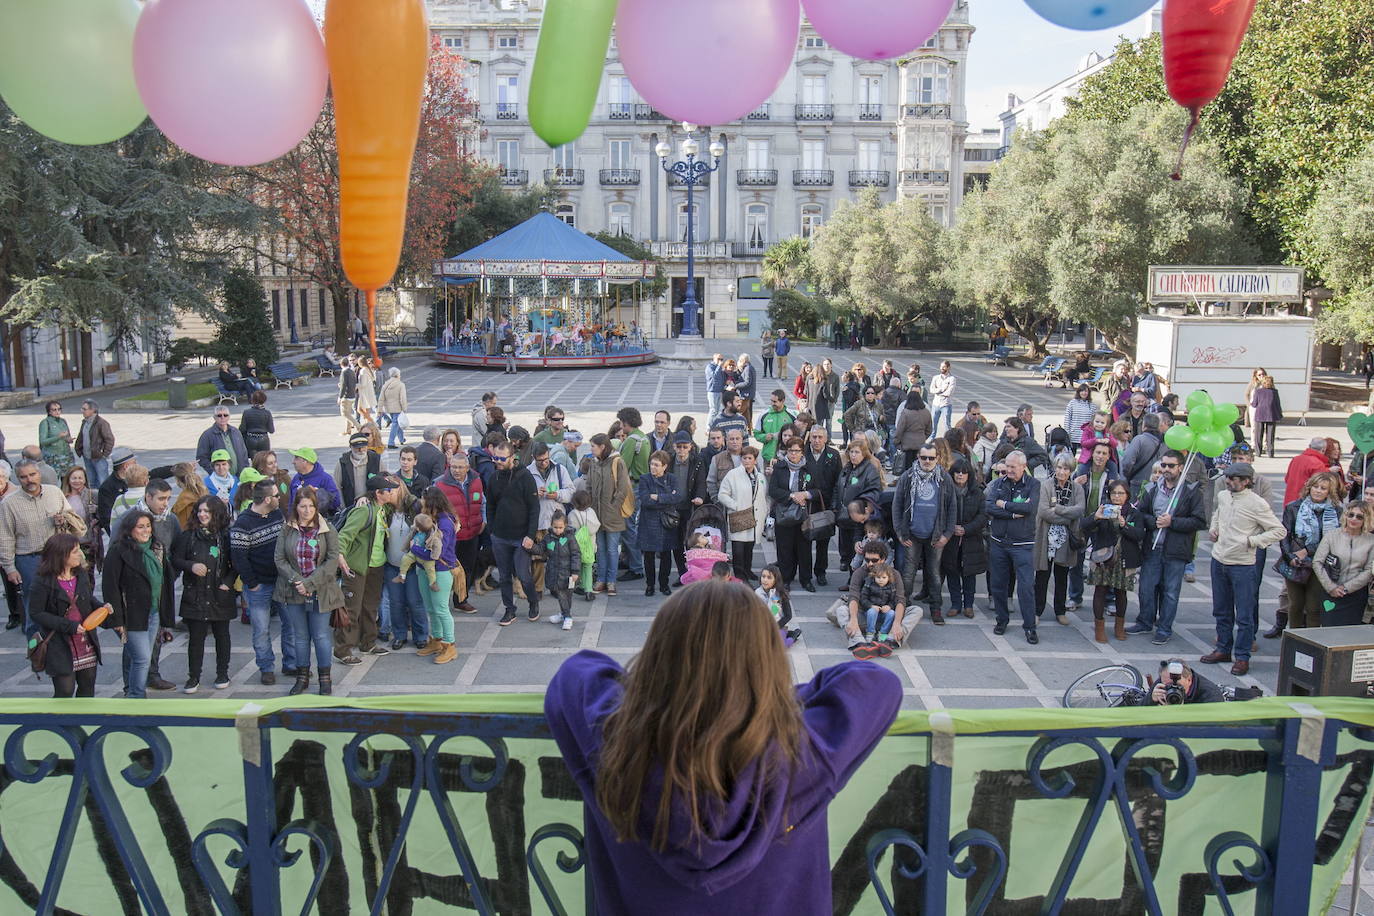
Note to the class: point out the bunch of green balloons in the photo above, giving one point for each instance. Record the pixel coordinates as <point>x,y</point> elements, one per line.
<point>1209,426</point>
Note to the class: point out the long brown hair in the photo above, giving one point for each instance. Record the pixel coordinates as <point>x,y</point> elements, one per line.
<point>708,696</point>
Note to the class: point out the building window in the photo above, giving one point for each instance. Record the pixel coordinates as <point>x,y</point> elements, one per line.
<point>620,97</point>
<point>928,83</point>
<point>932,150</point>
<point>871,90</point>
<point>813,41</point>
<point>682,221</point>
<point>815,90</point>
<point>566,213</point>
<point>305,308</point>
<point>508,154</point>
<point>812,216</point>
<point>564,157</point>
<point>937,211</point>
<point>620,219</point>
<point>453,42</point>
<point>756,154</point>
<point>507,96</point>
<point>812,155</point>
<point>870,156</point>
<point>756,226</point>
<point>619,153</point>
<point>508,41</point>
<point>324,308</point>
<point>471,80</point>
<point>276,310</point>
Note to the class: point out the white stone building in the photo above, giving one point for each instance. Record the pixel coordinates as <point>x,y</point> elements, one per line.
<point>834,126</point>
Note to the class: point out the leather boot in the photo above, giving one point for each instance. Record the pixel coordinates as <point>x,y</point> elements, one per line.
<point>446,655</point>
<point>326,683</point>
<point>1280,624</point>
<point>433,647</point>
<point>1100,630</point>
<point>302,682</point>
<point>1120,622</point>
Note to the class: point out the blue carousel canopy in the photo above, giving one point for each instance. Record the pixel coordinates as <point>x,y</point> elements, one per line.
<point>543,246</point>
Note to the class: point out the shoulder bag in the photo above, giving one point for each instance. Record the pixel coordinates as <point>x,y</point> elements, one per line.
<point>743,519</point>
<point>819,526</point>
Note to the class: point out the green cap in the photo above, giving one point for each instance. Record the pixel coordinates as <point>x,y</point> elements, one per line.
<point>250,475</point>
<point>220,454</point>
<point>307,453</point>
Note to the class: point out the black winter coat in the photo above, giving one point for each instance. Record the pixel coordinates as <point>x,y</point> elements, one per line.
<point>257,426</point>
<point>343,476</point>
<point>968,555</point>
<point>696,481</point>
<point>201,596</point>
<point>1130,539</point>
<point>825,474</point>
<point>652,535</point>
<point>860,482</point>
<point>48,609</point>
<point>127,589</point>
<point>1189,518</point>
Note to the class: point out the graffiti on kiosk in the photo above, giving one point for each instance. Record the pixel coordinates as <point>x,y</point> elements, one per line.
<point>1216,356</point>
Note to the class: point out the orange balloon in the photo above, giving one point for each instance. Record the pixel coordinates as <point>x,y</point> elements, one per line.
<point>378,54</point>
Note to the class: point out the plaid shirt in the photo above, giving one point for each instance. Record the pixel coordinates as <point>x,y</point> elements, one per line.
<point>307,557</point>
<point>26,522</point>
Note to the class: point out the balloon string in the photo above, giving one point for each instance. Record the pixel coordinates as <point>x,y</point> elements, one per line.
<point>1187,136</point>
<point>372,325</point>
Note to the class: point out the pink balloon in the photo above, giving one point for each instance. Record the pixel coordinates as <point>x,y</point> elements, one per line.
<point>710,62</point>
<point>877,29</point>
<point>238,82</point>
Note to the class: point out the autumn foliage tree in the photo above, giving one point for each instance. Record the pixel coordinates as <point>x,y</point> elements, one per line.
<point>302,190</point>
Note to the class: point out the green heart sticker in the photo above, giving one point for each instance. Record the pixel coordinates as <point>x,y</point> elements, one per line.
<point>214,551</point>
<point>313,543</point>
<point>1361,429</point>
<point>1329,605</point>
<point>853,481</point>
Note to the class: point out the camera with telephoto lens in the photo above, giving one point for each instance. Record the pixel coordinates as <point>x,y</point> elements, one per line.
<point>1174,694</point>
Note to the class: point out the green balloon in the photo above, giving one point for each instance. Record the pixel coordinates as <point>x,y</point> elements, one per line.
<point>1180,437</point>
<point>67,68</point>
<point>1223,415</point>
<point>1197,399</point>
<point>573,41</point>
<point>1200,417</point>
<point>1211,443</point>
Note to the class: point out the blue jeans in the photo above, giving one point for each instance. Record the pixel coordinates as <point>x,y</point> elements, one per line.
<point>962,590</point>
<point>26,564</point>
<point>1160,582</point>
<point>514,560</point>
<point>712,406</point>
<point>97,469</point>
<point>396,433</point>
<point>630,537</point>
<point>408,617</point>
<point>1234,605</point>
<point>1005,561</point>
<point>260,608</point>
<point>309,626</point>
<point>878,622</point>
<point>607,554</point>
<point>947,412</point>
<point>1076,582</point>
<point>138,654</point>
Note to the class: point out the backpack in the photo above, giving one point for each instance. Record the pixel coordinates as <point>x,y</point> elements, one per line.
<point>586,544</point>
<point>344,515</point>
<point>627,506</point>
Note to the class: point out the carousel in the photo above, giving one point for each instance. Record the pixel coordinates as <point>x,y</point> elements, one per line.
<point>569,301</point>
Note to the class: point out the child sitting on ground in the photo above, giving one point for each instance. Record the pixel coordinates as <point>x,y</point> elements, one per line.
<point>703,552</point>
<point>723,571</point>
<point>584,524</point>
<point>774,594</point>
<point>426,536</point>
<point>878,596</point>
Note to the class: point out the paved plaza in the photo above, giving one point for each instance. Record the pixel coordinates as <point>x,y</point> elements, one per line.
<point>959,665</point>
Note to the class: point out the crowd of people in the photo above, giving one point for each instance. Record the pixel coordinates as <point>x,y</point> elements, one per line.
<point>925,507</point>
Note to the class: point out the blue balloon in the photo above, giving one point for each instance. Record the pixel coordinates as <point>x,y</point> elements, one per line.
<point>1090,15</point>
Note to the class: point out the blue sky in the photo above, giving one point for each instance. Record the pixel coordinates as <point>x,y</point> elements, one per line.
<point>1014,50</point>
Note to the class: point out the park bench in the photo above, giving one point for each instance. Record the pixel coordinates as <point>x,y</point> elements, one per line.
<point>326,367</point>
<point>224,394</point>
<point>285,374</point>
<point>998,355</point>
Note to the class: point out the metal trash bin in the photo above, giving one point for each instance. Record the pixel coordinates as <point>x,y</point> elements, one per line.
<point>176,392</point>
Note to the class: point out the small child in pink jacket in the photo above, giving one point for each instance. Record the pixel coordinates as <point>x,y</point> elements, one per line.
<point>1095,431</point>
<point>703,553</point>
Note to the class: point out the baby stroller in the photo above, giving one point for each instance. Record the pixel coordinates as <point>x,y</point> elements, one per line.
<point>712,521</point>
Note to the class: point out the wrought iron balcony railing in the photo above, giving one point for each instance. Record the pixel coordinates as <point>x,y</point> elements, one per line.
<point>815,112</point>
<point>564,176</point>
<point>514,178</point>
<point>756,178</point>
<point>866,178</point>
<point>813,178</point>
<point>619,177</point>
<point>924,176</point>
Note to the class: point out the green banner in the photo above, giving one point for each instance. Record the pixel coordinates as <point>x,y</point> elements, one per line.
<point>363,811</point>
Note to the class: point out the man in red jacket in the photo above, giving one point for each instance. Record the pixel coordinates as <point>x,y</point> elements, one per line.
<point>1310,461</point>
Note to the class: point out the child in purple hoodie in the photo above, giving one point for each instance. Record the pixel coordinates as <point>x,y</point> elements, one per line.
<point>713,684</point>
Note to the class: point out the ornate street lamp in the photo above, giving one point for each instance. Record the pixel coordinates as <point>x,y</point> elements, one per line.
<point>689,171</point>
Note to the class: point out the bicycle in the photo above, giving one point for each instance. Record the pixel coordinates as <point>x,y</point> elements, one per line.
<point>1124,685</point>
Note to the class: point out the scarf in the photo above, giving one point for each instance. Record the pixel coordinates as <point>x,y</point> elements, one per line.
<point>1310,527</point>
<point>152,565</point>
<point>923,483</point>
<point>1059,534</point>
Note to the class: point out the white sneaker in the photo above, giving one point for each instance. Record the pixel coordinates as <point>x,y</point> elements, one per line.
<point>567,623</point>
<point>556,619</point>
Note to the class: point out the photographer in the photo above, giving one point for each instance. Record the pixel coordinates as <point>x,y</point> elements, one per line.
<point>1177,684</point>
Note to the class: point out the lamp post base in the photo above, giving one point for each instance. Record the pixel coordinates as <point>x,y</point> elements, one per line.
<point>688,353</point>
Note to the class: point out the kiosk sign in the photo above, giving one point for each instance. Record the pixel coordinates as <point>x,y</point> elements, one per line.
<point>1225,284</point>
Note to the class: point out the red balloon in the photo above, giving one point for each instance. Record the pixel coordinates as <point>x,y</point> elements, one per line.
<point>1201,38</point>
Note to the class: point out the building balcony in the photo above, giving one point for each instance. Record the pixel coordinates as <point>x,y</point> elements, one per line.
<point>565,177</point>
<point>675,180</point>
<point>507,111</point>
<point>813,178</point>
<point>759,114</point>
<point>620,111</point>
<point>815,112</point>
<point>924,177</point>
<point>677,251</point>
<point>748,249</point>
<point>515,178</point>
<point>931,112</point>
<point>756,178</point>
<point>868,178</point>
<point>619,178</point>
<point>649,113</point>
<point>869,112</point>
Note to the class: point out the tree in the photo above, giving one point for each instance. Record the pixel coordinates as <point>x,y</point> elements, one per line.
<point>244,329</point>
<point>117,235</point>
<point>302,188</point>
<point>1340,236</point>
<point>491,209</point>
<point>787,264</point>
<point>795,311</point>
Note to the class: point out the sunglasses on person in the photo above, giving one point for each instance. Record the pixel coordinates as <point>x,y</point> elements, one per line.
<point>500,458</point>
<point>555,419</point>
<point>1357,516</point>
<point>221,416</point>
<point>1168,464</point>
<point>925,457</point>
<point>871,560</point>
